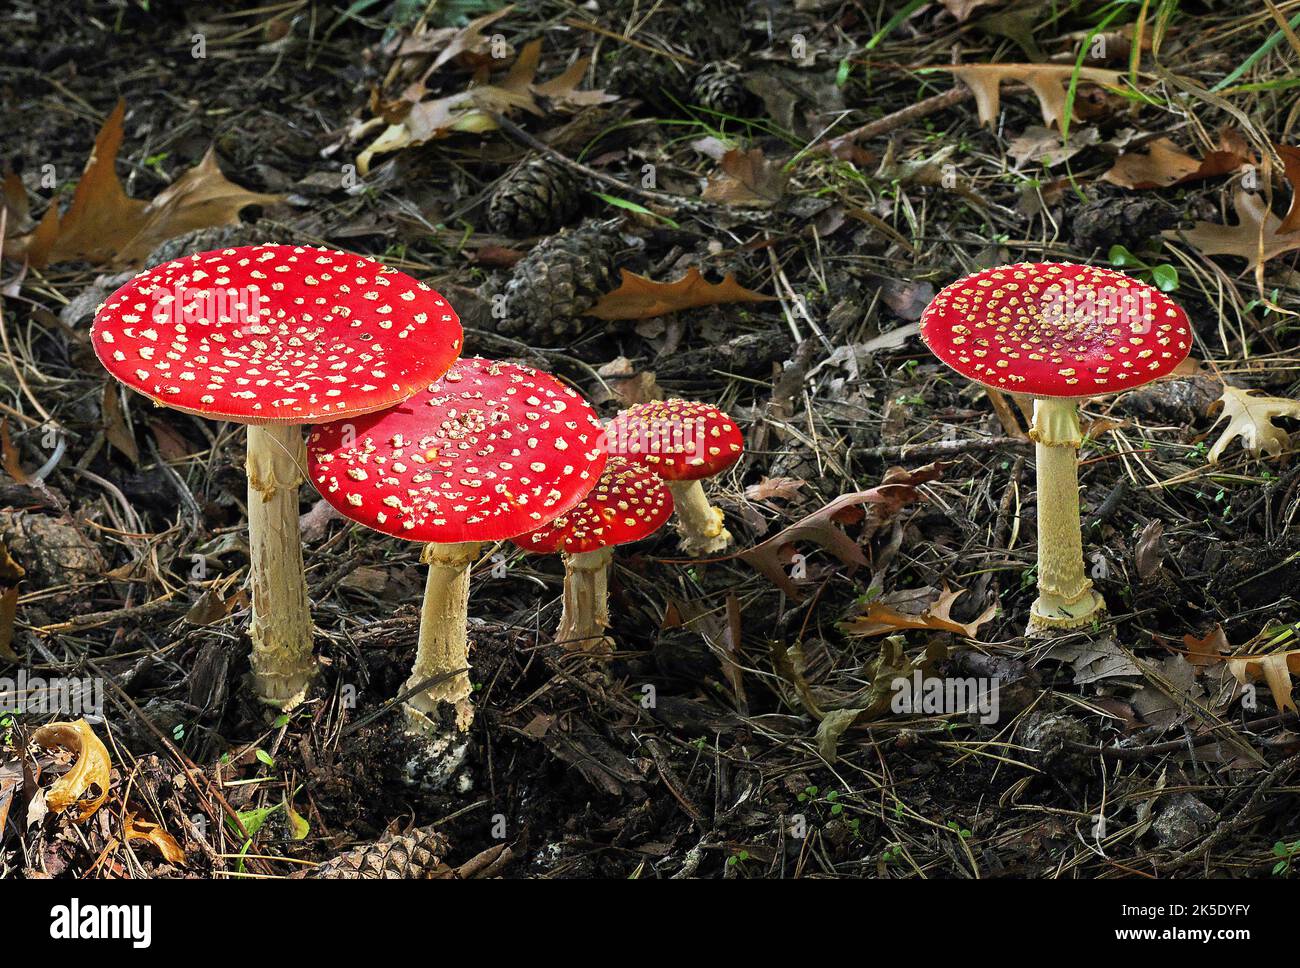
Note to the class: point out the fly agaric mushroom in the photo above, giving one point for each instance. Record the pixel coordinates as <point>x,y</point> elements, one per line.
<point>490,451</point>
<point>1059,333</point>
<point>275,337</point>
<point>627,504</point>
<point>684,443</point>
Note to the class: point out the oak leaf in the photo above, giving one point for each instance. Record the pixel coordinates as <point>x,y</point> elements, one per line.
<point>140,829</point>
<point>1251,418</point>
<point>1290,156</point>
<point>746,179</point>
<point>1275,669</point>
<point>933,613</point>
<point>822,527</point>
<point>1256,237</point>
<point>91,768</point>
<point>1163,164</point>
<point>1049,82</point>
<point>774,489</point>
<point>474,110</point>
<point>640,298</point>
<point>105,226</point>
<point>1210,649</point>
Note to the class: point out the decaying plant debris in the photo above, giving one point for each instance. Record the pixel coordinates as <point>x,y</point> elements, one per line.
<point>744,204</point>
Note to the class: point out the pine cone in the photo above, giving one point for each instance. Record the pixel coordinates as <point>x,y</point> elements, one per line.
<point>205,240</point>
<point>657,81</point>
<point>414,856</point>
<point>720,87</point>
<point>559,280</point>
<point>537,196</point>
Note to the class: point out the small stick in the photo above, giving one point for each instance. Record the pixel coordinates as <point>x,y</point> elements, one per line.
<point>943,448</point>
<point>921,109</point>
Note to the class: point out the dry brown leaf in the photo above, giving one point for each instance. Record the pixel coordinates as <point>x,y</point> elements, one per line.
<point>8,612</point>
<point>882,618</point>
<point>1163,163</point>
<point>641,298</point>
<point>747,180</point>
<point>1048,82</point>
<point>775,489</point>
<point>11,573</point>
<point>1210,649</point>
<point>822,528</point>
<point>1251,418</point>
<point>1254,238</point>
<point>201,198</point>
<point>469,39</point>
<point>13,198</point>
<point>106,227</point>
<point>208,608</point>
<point>90,770</point>
<point>961,9</point>
<point>10,459</point>
<point>1274,669</point>
<point>472,111</point>
<point>1290,156</point>
<point>140,829</point>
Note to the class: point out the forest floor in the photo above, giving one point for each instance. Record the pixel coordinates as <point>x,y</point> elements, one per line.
<point>743,729</point>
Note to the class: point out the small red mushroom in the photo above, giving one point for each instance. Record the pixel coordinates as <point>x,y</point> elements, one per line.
<point>276,336</point>
<point>1057,332</point>
<point>627,504</point>
<point>684,443</point>
<point>490,451</point>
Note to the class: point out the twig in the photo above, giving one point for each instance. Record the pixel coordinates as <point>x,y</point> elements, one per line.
<point>921,109</point>
<point>944,448</point>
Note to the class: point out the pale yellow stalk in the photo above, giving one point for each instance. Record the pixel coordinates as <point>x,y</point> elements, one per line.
<point>586,602</point>
<point>281,629</point>
<point>444,641</point>
<point>1066,598</point>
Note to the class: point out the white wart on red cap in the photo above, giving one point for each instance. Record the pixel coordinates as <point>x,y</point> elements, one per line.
<point>276,334</point>
<point>680,440</point>
<point>490,451</point>
<point>1056,330</point>
<point>628,503</point>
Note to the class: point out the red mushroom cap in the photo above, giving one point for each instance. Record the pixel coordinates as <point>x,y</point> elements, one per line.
<point>490,451</point>
<point>267,334</point>
<point>1056,330</point>
<point>677,439</point>
<point>628,503</point>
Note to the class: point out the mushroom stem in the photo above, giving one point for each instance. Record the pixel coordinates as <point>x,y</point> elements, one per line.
<point>444,641</point>
<point>699,523</point>
<point>281,630</point>
<point>1066,598</point>
<point>586,602</point>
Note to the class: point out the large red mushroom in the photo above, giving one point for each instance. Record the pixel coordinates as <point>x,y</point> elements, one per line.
<point>1060,333</point>
<point>275,337</point>
<point>490,451</point>
<point>627,504</point>
<point>684,443</point>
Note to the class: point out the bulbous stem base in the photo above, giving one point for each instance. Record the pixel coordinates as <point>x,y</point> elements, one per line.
<point>444,642</point>
<point>700,526</point>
